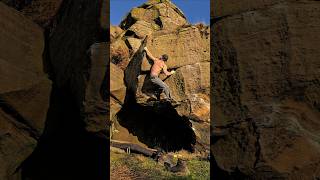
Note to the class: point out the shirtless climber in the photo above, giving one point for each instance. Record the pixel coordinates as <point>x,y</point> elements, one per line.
<point>158,65</point>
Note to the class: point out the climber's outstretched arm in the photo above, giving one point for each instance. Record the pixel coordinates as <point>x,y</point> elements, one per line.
<point>149,54</point>
<point>165,70</point>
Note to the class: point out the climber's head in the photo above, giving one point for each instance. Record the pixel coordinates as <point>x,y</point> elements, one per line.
<point>164,57</point>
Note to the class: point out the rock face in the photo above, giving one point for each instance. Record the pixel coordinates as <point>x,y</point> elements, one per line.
<point>266,88</point>
<point>188,49</point>
<point>24,90</point>
<point>115,31</point>
<point>42,12</point>
<point>44,123</point>
<point>152,16</point>
<point>76,130</point>
<point>95,97</point>
<point>17,4</point>
<point>85,59</point>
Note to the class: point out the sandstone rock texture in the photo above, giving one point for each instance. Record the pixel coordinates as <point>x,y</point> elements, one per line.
<point>17,4</point>
<point>266,88</point>
<point>42,12</point>
<point>188,48</point>
<point>24,89</point>
<point>82,64</point>
<point>54,90</point>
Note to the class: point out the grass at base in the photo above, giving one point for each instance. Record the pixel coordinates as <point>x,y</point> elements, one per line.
<point>134,166</point>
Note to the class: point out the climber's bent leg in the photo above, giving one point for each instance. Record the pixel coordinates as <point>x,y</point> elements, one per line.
<point>166,90</point>
<point>163,86</point>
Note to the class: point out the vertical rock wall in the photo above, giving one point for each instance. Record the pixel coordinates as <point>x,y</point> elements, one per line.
<point>266,88</point>
<point>187,45</point>
<point>24,90</point>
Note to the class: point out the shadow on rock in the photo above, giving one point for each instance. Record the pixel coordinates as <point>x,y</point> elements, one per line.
<point>65,150</point>
<point>158,125</point>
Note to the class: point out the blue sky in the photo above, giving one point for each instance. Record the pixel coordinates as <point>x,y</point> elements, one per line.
<point>194,10</point>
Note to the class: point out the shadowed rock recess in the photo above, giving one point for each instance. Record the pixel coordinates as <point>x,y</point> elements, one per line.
<point>266,89</point>
<point>135,114</point>
<point>53,90</point>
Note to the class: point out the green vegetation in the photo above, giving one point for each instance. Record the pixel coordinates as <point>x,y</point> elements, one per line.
<point>136,166</point>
